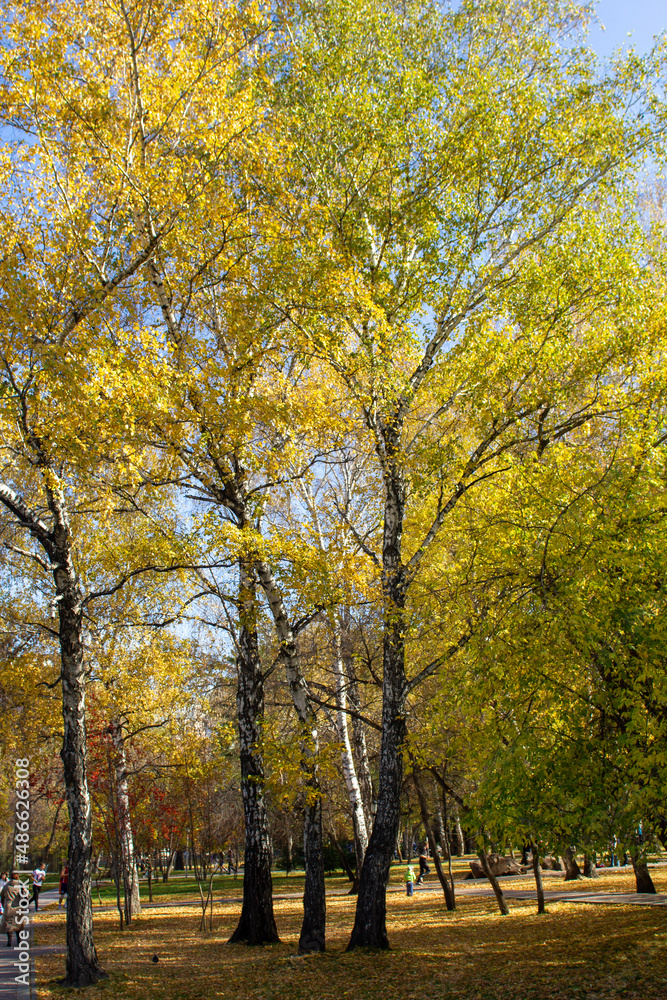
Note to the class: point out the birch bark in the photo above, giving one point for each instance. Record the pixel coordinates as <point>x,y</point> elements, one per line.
<point>257,923</point>
<point>128,860</point>
<point>313,928</point>
<point>370,928</point>
<point>359,746</point>
<point>347,758</point>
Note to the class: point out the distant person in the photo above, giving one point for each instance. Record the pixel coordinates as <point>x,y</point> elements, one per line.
<point>4,878</point>
<point>38,876</point>
<point>11,893</point>
<point>409,880</point>
<point>62,885</point>
<point>424,868</point>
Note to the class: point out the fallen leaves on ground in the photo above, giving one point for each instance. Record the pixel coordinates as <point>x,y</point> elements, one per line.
<point>574,952</point>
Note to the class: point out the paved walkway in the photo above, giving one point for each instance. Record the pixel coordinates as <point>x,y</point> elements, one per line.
<point>555,896</point>
<point>9,988</point>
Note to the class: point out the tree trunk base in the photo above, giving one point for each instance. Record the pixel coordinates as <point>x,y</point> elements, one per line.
<point>309,943</point>
<point>370,929</point>
<point>572,869</point>
<point>643,877</point>
<point>84,977</point>
<point>252,937</point>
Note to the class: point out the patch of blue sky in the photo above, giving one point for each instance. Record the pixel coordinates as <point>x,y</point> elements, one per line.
<point>619,24</point>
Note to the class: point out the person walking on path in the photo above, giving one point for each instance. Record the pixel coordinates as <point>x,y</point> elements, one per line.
<point>424,867</point>
<point>38,876</point>
<point>12,921</point>
<point>409,880</point>
<point>62,886</point>
<point>4,879</point>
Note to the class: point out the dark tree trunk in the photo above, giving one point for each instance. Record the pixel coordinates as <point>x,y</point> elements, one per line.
<point>47,849</point>
<point>343,860</point>
<point>370,930</point>
<point>313,928</point>
<point>82,965</point>
<point>447,887</point>
<point>312,937</point>
<point>495,885</point>
<point>257,924</point>
<point>537,872</point>
<point>572,869</point>
<point>642,875</point>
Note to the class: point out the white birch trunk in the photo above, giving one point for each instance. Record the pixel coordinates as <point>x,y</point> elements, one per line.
<point>347,758</point>
<point>461,847</point>
<point>128,861</point>
<point>313,929</point>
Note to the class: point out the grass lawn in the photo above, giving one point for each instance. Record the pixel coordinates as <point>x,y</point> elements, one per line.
<point>571,953</point>
<point>232,886</point>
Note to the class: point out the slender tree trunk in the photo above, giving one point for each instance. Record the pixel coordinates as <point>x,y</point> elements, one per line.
<point>460,840</point>
<point>537,872</point>
<point>170,863</point>
<point>150,880</point>
<point>257,923</point>
<point>370,919</point>
<point>446,829</point>
<point>343,860</point>
<point>114,842</point>
<point>442,836</point>
<point>313,928</point>
<point>290,849</point>
<point>359,746</point>
<point>349,770</point>
<point>82,965</point>
<point>128,860</point>
<point>447,888</point>
<point>495,884</point>
<point>52,835</point>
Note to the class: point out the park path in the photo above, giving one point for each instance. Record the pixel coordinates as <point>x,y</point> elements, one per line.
<point>471,887</point>
<point>556,896</point>
<point>9,988</point>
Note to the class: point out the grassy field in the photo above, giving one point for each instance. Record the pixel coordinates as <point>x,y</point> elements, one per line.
<point>575,951</point>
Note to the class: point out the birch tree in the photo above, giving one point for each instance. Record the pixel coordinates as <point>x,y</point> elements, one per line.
<point>466,163</point>
<point>73,189</point>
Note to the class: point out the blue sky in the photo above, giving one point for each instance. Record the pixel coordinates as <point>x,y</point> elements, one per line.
<point>644,18</point>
